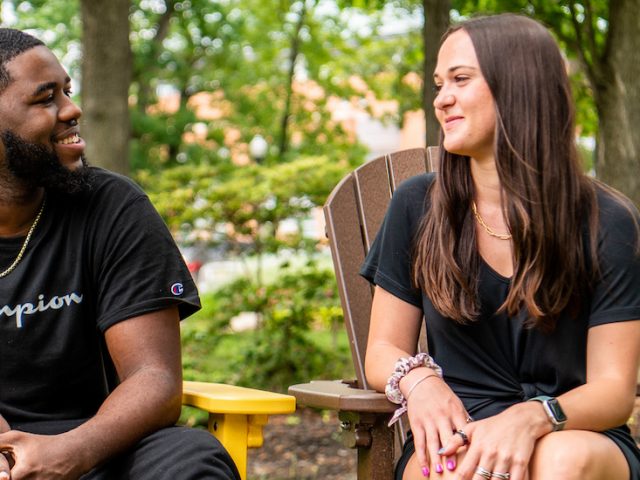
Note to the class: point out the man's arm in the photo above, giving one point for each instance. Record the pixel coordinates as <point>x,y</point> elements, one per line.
<point>4,425</point>
<point>146,353</point>
<point>4,461</point>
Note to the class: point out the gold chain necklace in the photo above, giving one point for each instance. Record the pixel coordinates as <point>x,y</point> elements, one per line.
<point>487,228</point>
<point>15,263</point>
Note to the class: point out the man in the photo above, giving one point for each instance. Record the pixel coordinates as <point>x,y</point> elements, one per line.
<point>92,288</point>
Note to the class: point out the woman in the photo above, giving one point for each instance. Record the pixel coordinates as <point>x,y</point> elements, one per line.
<point>527,273</point>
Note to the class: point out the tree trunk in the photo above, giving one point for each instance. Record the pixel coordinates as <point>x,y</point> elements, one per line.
<point>436,22</point>
<point>145,90</point>
<point>617,96</point>
<point>106,74</point>
<point>283,141</point>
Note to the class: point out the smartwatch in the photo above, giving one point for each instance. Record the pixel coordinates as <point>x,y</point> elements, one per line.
<point>553,410</point>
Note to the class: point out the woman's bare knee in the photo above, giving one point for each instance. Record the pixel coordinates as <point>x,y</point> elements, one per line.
<point>577,455</point>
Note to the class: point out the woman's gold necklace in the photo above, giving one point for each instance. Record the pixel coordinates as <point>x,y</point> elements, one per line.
<point>487,228</point>
<point>15,263</point>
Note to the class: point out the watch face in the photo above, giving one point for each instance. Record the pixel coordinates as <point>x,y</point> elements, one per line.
<point>556,410</point>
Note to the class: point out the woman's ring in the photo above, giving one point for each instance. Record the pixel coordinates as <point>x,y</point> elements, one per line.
<point>483,472</point>
<point>463,436</point>
<point>501,476</point>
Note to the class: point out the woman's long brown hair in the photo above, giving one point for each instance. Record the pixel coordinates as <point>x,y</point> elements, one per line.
<point>549,203</point>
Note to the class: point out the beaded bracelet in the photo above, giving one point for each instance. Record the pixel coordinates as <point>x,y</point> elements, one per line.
<point>403,366</point>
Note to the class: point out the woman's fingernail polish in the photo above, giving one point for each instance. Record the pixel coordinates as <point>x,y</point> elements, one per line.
<point>451,465</point>
<point>441,451</point>
<point>439,468</point>
<point>425,471</point>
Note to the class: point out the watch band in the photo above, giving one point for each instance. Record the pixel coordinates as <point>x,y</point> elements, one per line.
<point>553,410</point>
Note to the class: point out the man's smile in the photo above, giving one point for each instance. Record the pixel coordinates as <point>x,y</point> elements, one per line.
<point>73,138</point>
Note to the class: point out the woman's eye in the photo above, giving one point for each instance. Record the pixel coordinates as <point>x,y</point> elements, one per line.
<point>461,78</point>
<point>437,88</point>
<point>68,93</point>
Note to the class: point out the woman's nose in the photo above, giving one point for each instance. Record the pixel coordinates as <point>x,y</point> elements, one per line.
<point>443,100</point>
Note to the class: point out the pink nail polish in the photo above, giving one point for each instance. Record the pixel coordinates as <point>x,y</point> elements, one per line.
<point>439,468</point>
<point>425,471</point>
<point>451,465</point>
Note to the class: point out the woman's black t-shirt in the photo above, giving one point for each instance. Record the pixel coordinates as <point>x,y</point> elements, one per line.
<point>496,361</point>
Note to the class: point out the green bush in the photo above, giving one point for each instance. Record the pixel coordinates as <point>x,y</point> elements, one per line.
<point>298,336</point>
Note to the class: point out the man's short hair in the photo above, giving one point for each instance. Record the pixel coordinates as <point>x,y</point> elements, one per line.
<point>13,43</point>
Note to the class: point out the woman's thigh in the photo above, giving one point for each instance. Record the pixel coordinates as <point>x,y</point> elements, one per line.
<point>578,454</point>
<point>567,455</point>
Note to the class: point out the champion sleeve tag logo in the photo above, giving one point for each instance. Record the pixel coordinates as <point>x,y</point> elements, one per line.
<point>177,289</point>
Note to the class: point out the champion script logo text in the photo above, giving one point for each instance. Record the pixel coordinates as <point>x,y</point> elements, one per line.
<point>54,303</point>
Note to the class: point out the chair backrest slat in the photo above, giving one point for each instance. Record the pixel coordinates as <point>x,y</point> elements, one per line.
<point>354,212</point>
<point>433,154</point>
<point>406,164</point>
<point>348,252</point>
<point>373,192</point>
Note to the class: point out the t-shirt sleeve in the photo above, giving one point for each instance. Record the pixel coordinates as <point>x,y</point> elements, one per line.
<point>616,296</point>
<point>388,263</point>
<point>137,266</point>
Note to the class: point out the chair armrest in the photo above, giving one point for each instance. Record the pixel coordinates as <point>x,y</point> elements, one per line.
<point>363,418</point>
<point>221,398</point>
<point>336,395</point>
<point>236,414</point>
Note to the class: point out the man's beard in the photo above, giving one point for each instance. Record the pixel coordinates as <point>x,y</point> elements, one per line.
<point>34,165</point>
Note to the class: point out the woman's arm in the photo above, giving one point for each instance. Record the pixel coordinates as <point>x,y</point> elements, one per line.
<point>393,333</point>
<point>606,399</point>
<point>434,411</point>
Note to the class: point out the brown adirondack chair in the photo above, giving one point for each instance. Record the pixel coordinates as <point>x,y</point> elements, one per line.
<point>353,213</point>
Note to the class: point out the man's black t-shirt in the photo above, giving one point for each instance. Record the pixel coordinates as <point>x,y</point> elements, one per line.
<point>95,259</point>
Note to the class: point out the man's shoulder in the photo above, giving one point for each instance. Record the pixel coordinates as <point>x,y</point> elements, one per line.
<point>106,180</point>
<point>108,192</point>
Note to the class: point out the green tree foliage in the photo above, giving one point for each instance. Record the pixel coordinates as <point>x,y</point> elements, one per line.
<point>235,70</point>
<point>244,206</point>
<point>56,22</point>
